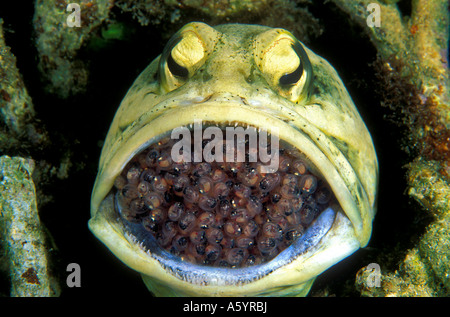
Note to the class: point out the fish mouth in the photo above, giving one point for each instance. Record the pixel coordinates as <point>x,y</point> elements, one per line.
<point>331,235</point>
<point>217,217</point>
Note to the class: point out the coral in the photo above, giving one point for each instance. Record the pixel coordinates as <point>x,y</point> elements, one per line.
<point>284,14</point>
<point>23,242</point>
<point>58,44</point>
<point>18,129</point>
<point>414,76</point>
<point>411,280</point>
<point>21,230</point>
<point>156,12</point>
<point>412,50</point>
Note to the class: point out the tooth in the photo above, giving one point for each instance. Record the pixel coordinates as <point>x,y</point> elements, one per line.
<point>316,231</point>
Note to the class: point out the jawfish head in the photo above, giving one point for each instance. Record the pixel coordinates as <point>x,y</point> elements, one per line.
<point>236,165</point>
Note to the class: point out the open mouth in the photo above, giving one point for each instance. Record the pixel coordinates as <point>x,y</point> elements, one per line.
<point>227,208</point>
<point>196,216</point>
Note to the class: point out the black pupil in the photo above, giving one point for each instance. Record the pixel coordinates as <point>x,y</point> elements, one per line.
<point>292,78</point>
<point>175,68</point>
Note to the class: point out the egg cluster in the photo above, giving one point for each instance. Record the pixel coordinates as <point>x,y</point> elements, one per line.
<point>226,214</point>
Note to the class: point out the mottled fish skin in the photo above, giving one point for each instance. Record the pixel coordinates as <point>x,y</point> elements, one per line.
<point>236,75</point>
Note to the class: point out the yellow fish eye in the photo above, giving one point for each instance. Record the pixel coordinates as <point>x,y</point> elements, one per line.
<point>184,54</point>
<point>284,64</point>
<point>175,68</point>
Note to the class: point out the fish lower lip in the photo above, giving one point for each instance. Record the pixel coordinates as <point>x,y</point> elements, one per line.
<point>207,275</point>
<point>287,204</point>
